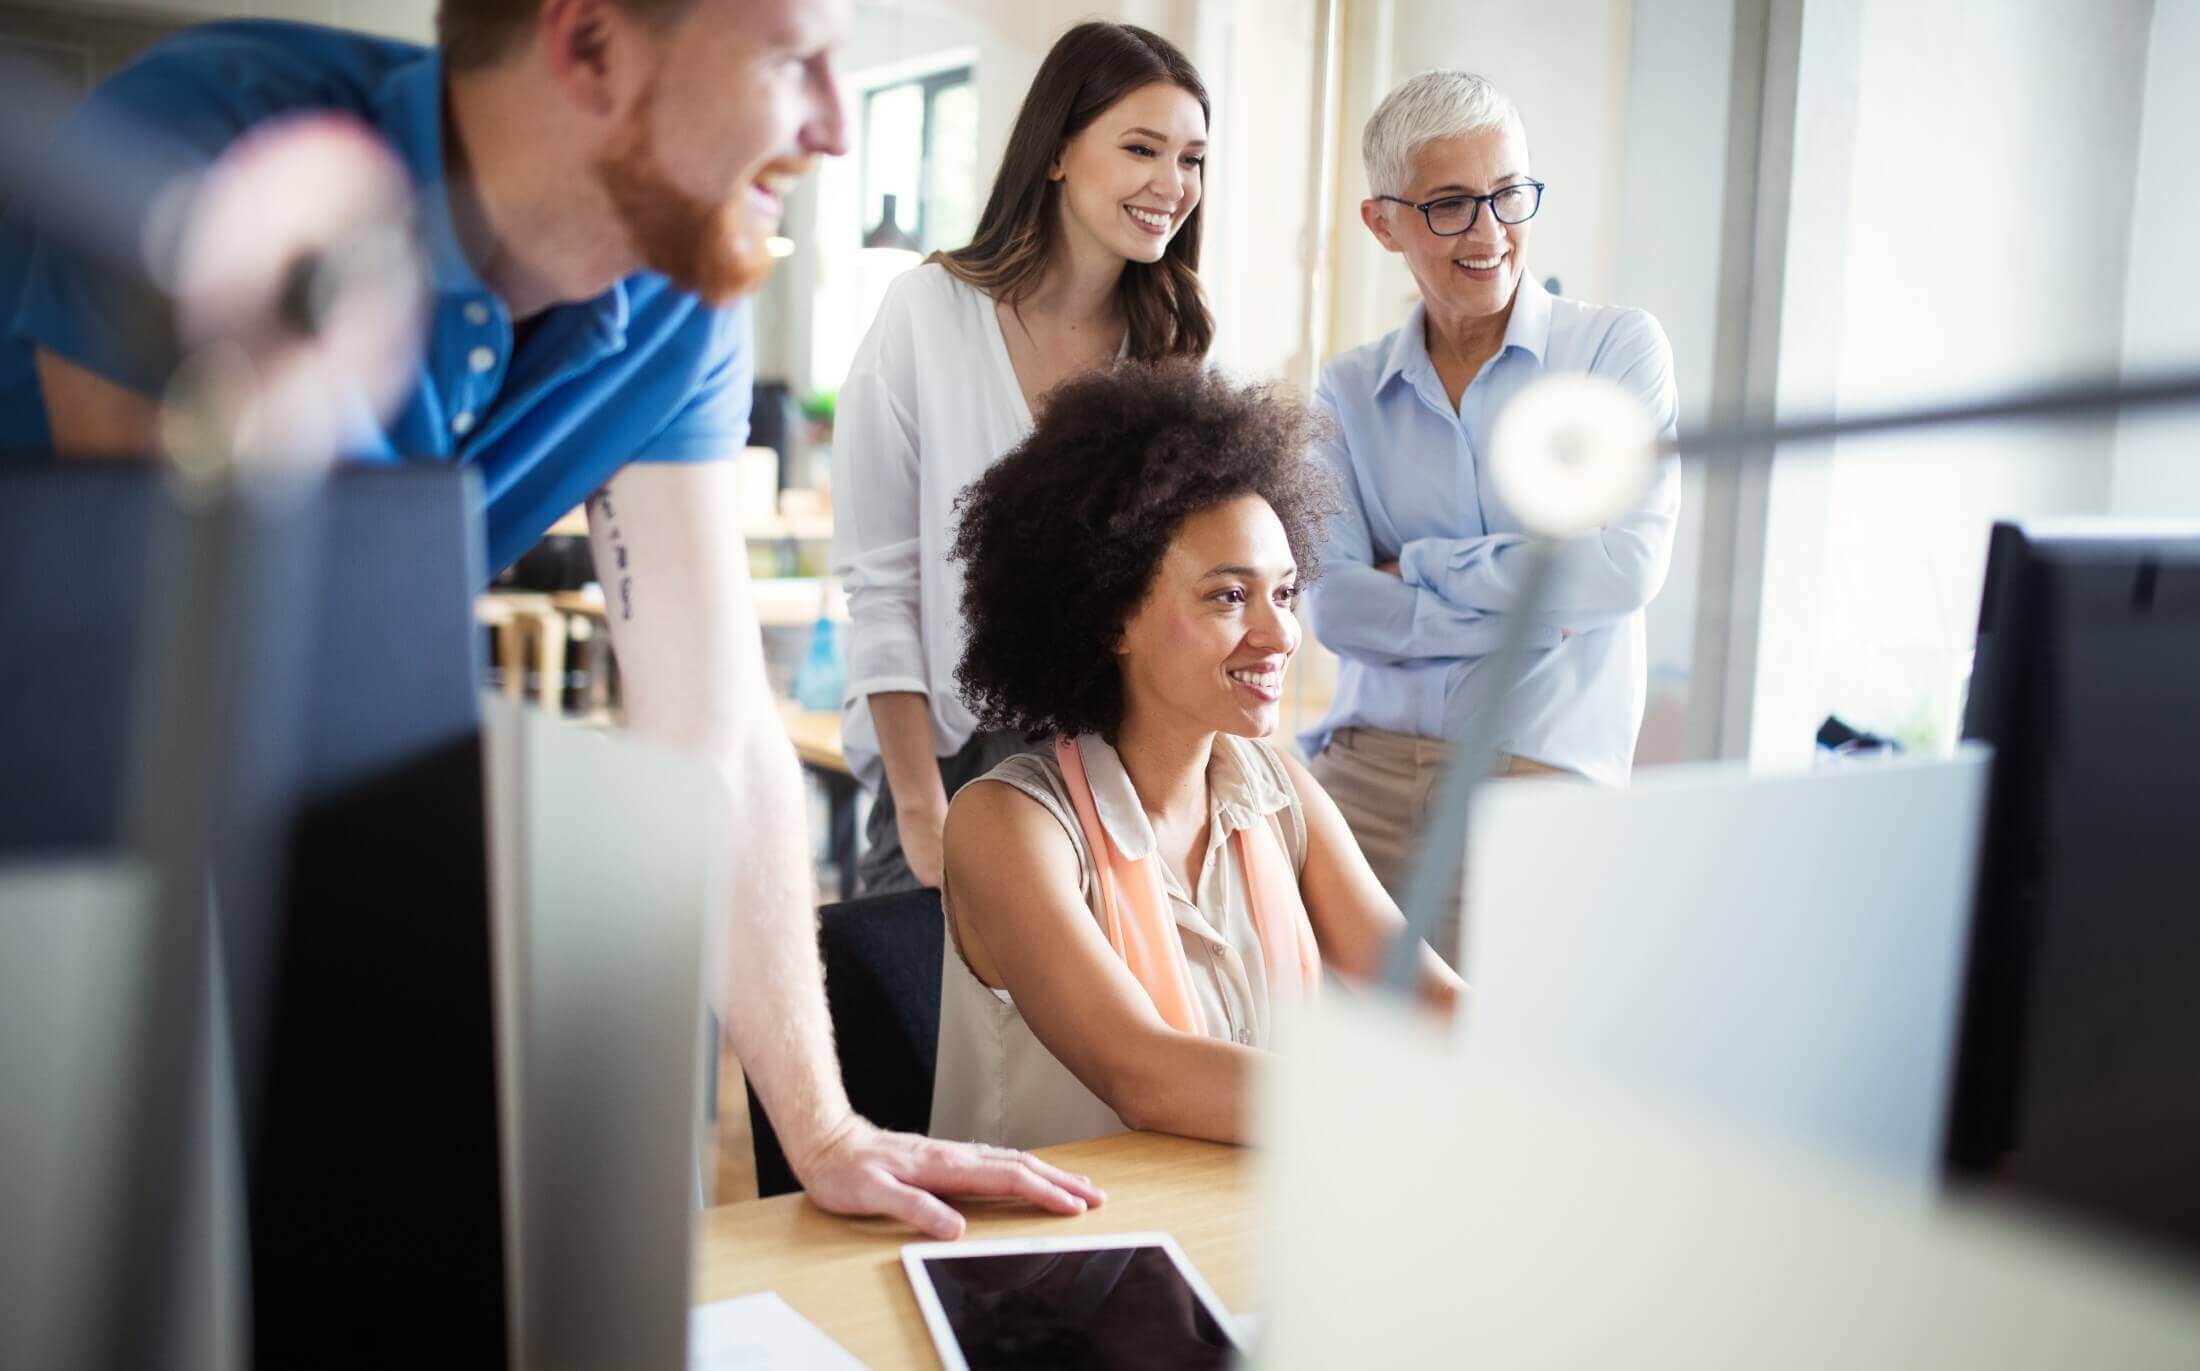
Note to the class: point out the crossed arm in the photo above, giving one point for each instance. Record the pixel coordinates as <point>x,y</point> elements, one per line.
<point>1360,607</point>
<point>1363,609</point>
<point>1446,597</point>
<point>1597,578</point>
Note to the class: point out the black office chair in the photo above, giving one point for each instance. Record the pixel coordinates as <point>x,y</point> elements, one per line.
<point>882,983</point>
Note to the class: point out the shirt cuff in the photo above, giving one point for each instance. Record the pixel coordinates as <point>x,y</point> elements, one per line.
<point>886,683</point>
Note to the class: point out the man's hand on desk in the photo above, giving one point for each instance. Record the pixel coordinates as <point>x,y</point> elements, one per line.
<point>861,1169</point>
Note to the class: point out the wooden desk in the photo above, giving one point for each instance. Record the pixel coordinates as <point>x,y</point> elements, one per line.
<point>816,737</point>
<point>845,1276</point>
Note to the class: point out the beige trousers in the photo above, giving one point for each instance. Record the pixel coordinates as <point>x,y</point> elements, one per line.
<point>1384,783</point>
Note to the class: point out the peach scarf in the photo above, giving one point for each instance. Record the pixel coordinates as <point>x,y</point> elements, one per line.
<point>1135,910</point>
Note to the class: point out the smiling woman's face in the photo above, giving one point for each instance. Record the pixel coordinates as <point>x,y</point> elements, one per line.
<point>1132,178</point>
<point>1207,647</point>
<point>1472,275</point>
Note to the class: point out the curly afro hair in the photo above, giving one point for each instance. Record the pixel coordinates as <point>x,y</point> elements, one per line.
<point>1062,537</point>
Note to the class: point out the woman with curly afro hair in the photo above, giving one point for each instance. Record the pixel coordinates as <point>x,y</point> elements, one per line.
<point>1126,906</point>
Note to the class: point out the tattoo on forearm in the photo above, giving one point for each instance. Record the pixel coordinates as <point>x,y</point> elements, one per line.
<point>621,583</point>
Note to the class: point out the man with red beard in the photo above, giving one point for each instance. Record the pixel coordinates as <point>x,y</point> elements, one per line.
<point>597,179</point>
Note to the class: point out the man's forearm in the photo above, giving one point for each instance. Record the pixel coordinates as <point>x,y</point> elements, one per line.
<point>774,987</point>
<point>91,416</point>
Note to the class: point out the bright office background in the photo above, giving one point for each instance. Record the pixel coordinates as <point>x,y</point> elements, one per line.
<point>1830,204</point>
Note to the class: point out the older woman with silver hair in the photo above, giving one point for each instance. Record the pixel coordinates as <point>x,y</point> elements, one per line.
<point>1425,560</point>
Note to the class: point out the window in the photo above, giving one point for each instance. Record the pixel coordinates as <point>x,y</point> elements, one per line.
<point>920,145</point>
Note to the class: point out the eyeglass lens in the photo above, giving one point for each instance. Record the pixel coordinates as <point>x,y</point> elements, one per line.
<point>1511,205</point>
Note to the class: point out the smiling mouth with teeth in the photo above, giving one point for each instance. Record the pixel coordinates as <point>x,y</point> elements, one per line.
<point>1150,218</point>
<point>1489,265</point>
<point>1259,680</point>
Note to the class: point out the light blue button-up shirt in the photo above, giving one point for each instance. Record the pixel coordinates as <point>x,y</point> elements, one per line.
<point>1416,648</point>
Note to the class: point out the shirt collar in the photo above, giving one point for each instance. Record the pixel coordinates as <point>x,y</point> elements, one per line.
<point>1239,795</point>
<point>409,109</point>
<point>1408,355</point>
<point>1528,328</point>
<point>1243,793</point>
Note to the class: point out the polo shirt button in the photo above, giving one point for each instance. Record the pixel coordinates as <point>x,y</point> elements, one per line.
<point>462,423</point>
<point>1245,1037</point>
<point>477,313</point>
<point>481,359</point>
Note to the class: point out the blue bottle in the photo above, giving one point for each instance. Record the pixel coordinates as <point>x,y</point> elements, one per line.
<point>818,684</point>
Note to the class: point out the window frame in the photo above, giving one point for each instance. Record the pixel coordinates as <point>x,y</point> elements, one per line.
<point>931,86</point>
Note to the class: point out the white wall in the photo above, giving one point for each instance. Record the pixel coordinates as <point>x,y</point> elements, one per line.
<point>2157,468</point>
<point>1950,267</point>
<point>1670,211</point>
<point>1258,58</point>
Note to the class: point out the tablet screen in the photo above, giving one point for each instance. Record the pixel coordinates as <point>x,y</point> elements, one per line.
<point>1100,1308</point>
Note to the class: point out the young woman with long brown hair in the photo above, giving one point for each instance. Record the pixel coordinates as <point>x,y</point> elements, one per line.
<point>1088,251</point>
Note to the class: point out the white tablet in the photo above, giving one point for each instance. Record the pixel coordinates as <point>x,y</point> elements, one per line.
<point>1100,1302</point>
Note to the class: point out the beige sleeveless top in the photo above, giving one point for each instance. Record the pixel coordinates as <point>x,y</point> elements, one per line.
<point>996,1082</point>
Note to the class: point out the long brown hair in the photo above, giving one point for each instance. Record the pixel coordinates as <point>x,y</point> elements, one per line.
<point>1089,69</point>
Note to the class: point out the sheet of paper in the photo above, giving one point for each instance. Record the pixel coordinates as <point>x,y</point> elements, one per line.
<point>760,1333</point>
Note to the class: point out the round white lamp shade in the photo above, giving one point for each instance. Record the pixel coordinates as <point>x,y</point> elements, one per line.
<point>1572,453</point>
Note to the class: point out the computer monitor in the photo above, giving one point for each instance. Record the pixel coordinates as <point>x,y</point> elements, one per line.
<point>354,940</point>
<point>1780,953</point>
<point>2078,1080</point>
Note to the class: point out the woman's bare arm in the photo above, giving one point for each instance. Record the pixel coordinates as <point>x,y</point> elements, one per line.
<point>1355,920</point>
<point>1022,922</point>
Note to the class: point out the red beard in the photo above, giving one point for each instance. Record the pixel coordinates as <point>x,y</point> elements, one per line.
<point>716,250</point>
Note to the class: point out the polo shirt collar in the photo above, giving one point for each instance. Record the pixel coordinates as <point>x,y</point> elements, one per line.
<point>409,111</point>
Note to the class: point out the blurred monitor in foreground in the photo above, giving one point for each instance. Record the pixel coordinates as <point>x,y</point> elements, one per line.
<point>1782,953</point>
<point>349,871</point>
<point>2079,1077</point>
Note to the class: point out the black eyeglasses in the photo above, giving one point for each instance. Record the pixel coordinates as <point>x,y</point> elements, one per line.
<point>1451,215</point>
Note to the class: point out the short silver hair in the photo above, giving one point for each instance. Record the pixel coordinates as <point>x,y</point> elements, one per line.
<point>1433,105</point>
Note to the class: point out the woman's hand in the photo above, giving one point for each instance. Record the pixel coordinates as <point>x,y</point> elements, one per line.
<point>923,843</point>
<point>903,720</point>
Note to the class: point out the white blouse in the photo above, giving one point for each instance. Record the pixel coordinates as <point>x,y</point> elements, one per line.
<point>931,401</point>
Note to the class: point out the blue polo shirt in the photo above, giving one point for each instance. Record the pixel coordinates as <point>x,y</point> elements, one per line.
<point>644,372</point>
